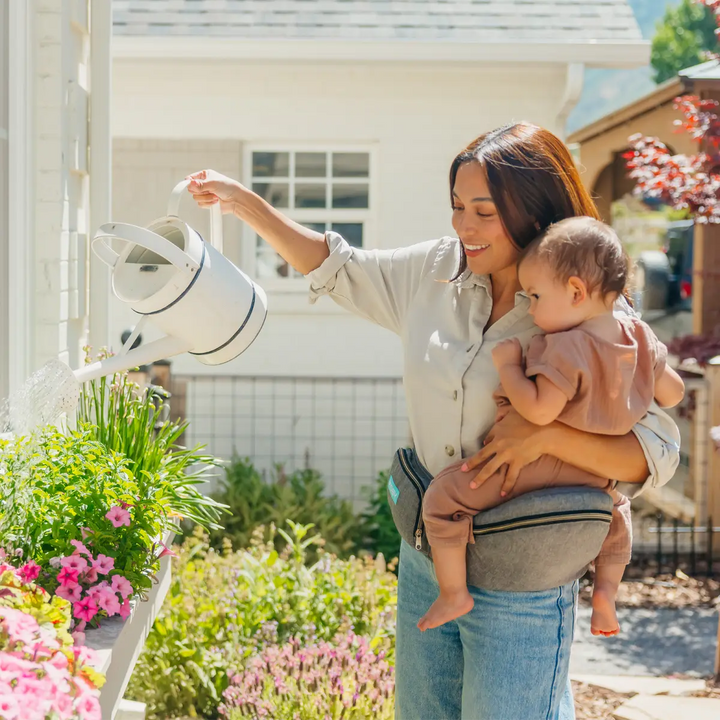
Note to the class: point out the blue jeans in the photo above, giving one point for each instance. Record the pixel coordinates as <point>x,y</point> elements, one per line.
<point>507,659</point>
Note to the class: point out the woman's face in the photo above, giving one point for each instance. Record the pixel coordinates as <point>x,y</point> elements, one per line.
<point>478,225</point>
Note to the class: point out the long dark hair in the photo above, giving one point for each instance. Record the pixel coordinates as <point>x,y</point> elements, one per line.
<point>532,179</point>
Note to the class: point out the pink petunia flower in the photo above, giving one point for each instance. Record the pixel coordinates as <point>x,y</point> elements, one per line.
<point>9,707</point>
<point>71,593</point>
<point>118,516</point>
<point>79,547</point>
<point>85,609</point>
<point>104,564</point>
<point>125,609</point>
<point>68,576</point>
<point>74,562</point>
<point>78,636</point>
<point>90,575</point>
<point>95,591</point>
<point>21,627</point>
<point>107,600</point>
<point>30,571</point>
<point>121,584</point>
<point>88,707</point>
<point>166,551</point>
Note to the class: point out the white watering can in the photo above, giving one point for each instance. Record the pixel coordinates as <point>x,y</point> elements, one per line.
<point>171,277</point>
<point>185,286</point>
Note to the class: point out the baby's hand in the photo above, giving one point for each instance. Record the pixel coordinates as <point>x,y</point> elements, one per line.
<point>507,352</point>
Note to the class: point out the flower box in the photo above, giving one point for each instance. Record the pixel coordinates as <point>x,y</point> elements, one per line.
<point>119,643</point>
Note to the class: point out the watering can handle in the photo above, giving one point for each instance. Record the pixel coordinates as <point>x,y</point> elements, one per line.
<point>216,228</point>
<point>138,236</point>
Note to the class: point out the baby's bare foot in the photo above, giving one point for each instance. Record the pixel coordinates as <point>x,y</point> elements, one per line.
<point>446,608</point>
<point>604,617</point>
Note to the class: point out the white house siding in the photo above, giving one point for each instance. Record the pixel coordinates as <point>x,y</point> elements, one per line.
<point>172,117</point>
<point>60,179</point>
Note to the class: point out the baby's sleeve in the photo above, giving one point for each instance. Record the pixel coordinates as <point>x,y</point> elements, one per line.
<point>557,358</point>
<point>658,351</point>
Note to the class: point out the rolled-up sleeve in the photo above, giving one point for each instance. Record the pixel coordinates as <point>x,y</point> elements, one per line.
<point>375,284</point>
<point>659,439</point>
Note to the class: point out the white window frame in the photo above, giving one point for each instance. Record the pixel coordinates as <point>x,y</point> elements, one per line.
<point>18,222</point>
<point>310,215</point>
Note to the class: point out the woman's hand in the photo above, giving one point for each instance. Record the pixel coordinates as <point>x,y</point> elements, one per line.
<point>209,187</point>
<point>513,442</point>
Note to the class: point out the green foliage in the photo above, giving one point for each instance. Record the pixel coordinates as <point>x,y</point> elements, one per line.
<point>381,534</point>
<point>54,487</point>
<point>298,496</point>
<point>126,420</point>
<point>682,40</point>
<point>224,608</point>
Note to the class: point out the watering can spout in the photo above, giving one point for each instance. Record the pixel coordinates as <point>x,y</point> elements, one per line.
<point>143,355</point>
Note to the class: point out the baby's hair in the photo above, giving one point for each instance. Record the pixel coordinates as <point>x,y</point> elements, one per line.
<point>586,248</point>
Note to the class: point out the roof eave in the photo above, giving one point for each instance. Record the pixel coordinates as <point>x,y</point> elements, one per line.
<point>663,94</point>
<point>622,54</point>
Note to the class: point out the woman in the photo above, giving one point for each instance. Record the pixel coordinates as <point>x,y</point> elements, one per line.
<point>451,301</point>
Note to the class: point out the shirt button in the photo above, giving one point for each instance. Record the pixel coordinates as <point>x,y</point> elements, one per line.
<point>455,394</point>
<point>450,450</point>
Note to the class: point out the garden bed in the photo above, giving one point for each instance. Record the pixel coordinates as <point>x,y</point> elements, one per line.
<point>666,591</point>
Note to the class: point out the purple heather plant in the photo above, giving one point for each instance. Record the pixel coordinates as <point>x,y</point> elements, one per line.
<point>341,680</point>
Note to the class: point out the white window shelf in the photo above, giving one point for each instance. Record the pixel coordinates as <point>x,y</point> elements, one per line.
<point>119,643</point>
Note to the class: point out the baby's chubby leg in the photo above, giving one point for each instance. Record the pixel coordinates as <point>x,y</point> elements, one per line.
<point>609,568</point>
<point>448,510</point>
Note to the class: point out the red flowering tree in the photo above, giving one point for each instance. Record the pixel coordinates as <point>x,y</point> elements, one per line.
<point>684,182</point>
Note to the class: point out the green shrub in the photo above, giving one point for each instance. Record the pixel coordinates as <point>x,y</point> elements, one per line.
<point>224,608</point>
<point>381,535</point>
<point>298,496</point>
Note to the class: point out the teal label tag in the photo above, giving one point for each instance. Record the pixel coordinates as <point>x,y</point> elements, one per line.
<point>393,490</point>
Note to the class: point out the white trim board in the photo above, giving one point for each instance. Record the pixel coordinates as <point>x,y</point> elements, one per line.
<point>591,53</point>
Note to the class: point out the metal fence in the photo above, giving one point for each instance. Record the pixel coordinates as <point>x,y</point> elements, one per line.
<point>664,545</point>
<point>346,428</point>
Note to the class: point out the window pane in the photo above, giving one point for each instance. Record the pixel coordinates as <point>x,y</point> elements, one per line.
<point>271,164</point>
<point>316,226</point>
<point>310,165</point>
<point>277,194</point>
<point>269,264</point>
<point>351,164</point>
<point>350,196</point>
<point>352,232</point>
<point>310,196</point>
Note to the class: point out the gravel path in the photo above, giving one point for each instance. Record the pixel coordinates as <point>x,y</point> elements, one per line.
<point>663,641</point>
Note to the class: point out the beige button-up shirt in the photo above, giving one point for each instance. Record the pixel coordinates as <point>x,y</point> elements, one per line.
<point>449,375</point>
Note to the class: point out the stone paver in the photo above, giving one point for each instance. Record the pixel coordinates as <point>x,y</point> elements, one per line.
<point>662,707</point>
<point>658,642</point>
<point>643,685</point>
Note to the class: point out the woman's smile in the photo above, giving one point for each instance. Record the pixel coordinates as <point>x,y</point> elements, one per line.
<point>474,250</point>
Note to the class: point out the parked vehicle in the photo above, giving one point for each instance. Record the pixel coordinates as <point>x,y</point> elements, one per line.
<point>664,278</point>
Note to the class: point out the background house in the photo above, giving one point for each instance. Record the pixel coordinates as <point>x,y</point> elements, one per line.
<point>347,115</point>
<point>54,109</point>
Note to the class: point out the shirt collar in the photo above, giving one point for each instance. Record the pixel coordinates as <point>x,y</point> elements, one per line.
<point>468,279</point>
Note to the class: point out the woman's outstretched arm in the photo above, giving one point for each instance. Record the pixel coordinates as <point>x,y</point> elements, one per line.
<point>302,248</point>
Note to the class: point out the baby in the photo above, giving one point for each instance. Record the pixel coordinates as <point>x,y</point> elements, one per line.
<point>593,371</point>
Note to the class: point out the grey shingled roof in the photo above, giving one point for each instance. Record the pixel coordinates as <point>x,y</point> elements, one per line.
<point>382,20</point>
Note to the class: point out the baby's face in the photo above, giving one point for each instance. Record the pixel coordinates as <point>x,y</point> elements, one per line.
<point>551,302</point>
